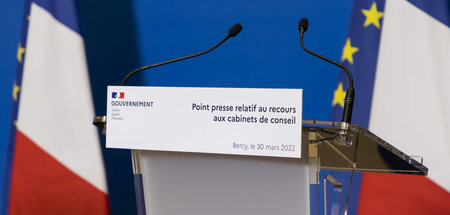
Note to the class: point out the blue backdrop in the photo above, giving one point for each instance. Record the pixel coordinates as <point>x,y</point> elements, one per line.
<point>122,35</point>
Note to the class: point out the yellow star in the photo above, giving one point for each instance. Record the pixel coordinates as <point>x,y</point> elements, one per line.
<point>339,96</point>
<point>348,51</point>
<point>372,16</point>
<point>16,90</point>
<point>20,52</point>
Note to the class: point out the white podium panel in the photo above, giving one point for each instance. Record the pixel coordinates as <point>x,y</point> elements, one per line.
<point>196,184</point>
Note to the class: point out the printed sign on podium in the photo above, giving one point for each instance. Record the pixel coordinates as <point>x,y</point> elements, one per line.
<point>240,121</point>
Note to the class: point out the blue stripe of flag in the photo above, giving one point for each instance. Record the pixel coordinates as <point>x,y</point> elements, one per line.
<point>63,11</point>
<point>438,9</point>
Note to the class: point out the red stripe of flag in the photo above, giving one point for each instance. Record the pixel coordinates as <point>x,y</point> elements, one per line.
<point>383,193</point>
<point>42,185</point>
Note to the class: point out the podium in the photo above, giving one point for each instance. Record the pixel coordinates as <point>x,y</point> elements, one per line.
<point>196,183</point>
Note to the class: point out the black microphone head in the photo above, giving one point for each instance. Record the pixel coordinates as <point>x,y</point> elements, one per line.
<point>235,29</point>
<point>303,24</point>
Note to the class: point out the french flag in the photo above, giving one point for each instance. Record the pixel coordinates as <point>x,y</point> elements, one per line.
<point>54,165</point>
<point>120,95</point>
<point>399,52</point>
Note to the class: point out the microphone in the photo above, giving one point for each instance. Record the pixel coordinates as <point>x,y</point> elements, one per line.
<point>232,32</point>
<point>100,121</point>
<point>350,94</point>
<point>343,137</point>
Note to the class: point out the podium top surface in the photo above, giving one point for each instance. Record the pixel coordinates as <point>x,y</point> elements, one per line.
<point>346,147</point>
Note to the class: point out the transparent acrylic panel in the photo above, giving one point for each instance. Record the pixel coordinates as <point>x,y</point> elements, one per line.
<point>361,151</point>
<point>332,195</point>
<point>344,149</point>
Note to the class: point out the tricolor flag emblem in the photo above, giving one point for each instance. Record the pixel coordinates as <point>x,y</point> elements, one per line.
<point>118,95</point>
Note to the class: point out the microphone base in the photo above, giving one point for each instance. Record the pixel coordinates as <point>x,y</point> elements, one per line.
<point>344,135</point>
